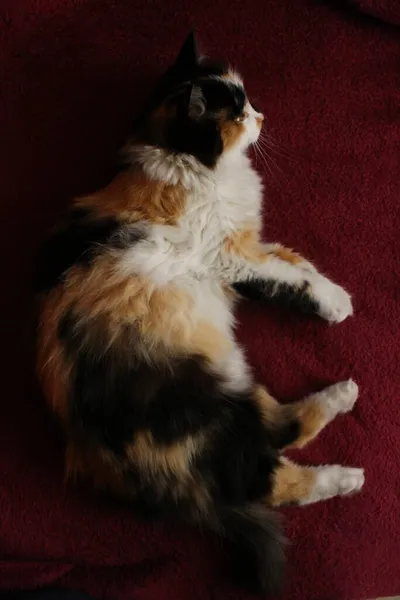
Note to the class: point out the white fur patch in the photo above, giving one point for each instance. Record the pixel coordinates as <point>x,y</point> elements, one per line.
<point>219,202</point>
<point>170,168</point>
<point>334,302</point>
<point>337,399</point>
<point>335,480</point>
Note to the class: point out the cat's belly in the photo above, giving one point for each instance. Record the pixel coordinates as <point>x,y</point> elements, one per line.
<point>212,308</point>
<point>210,301</point>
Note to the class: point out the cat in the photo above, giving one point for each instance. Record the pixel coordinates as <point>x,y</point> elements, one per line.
<point>136,349</point>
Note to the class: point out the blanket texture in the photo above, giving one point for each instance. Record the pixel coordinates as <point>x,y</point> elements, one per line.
<point>72,74</point>
<point>387,10</point>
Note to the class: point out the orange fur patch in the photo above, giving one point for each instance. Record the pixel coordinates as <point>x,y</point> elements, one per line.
<point>164,320</point>
<point>164,317</point>
<point>175,458</point>
<point>230,76</point>
<point>269,407</point>
<point>52,368</point>
<point>133,197</point>
<point>292,484</point>
<point>311,418</point>
<point>309,414</point>
<point>160,462</point>
<point>230,132</point>
<point>245,243</point>
<point>288,255</point>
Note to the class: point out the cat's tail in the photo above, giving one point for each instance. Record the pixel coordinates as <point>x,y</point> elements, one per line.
<point>256,545</point>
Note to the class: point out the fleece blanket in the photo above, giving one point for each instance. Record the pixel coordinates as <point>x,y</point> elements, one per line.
<point>72,74</point>
<point>387,10</point>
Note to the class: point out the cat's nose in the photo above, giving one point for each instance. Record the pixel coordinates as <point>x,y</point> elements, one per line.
<point>259,120</point>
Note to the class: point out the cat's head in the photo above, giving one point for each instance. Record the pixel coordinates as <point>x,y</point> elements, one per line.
<point>200,107</point>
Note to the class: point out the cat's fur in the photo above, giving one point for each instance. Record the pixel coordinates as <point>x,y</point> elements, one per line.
<point>137,353</point>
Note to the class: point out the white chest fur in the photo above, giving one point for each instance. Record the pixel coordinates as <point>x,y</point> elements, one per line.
<point>219,202</point>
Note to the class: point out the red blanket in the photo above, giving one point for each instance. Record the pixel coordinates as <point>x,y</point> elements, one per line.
<point>387,10</point>
<point>72,73</point>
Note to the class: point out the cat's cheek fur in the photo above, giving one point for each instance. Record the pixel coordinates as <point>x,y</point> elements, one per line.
<point>253,126</point>
<point>237,137</point>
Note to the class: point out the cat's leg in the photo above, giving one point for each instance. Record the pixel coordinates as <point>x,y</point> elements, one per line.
<point>307,417</point>
<point>296,484</point>
<point>270,271</point>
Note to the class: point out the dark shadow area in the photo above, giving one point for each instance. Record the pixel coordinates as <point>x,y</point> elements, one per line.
<point>352,12</point>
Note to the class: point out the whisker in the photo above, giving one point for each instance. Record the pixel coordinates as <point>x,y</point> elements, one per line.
<point>278,147</point>
<point>274,162</point>
<point>266,160</point>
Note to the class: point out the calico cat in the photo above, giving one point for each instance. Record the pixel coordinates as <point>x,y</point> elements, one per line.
<point>136,347</point>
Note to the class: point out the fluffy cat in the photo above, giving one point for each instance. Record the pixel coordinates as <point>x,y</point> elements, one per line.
<point>136,348</point>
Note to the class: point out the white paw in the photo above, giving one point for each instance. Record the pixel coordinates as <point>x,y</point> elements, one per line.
<point>334,302</point>
<point>350,480</point>
<point>339,398</point>
<point>336,481</point>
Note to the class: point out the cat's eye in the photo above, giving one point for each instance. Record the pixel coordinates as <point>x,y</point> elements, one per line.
<point>242,117</point>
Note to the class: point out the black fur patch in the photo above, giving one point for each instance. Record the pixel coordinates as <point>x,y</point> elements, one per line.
<point>281,294</point>
<point>221,94</point>
<point>188,400</point>
<point>187,131</point>
<point>241,458</point>
<point>201,136</point>
<point>284,435</point>
<point>256,545</point>
<point>113,394</point>
<point>188,68</point>
<point>76,242</point>
<point>201,139</point>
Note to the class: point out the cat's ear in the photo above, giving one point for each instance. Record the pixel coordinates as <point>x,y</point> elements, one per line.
<point>188,56</point>
<point>196,106</point>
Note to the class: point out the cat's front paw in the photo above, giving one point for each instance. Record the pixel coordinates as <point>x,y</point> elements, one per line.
<point>334,303</point>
